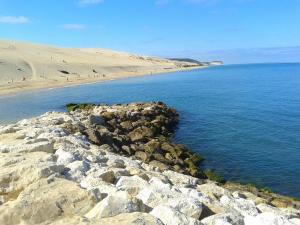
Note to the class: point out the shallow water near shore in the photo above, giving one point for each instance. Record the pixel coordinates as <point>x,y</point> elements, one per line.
<point>244,119</point>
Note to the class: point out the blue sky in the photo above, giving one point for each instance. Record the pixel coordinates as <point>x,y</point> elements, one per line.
<point>236,31</point>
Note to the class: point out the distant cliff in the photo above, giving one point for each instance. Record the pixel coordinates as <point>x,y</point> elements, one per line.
<point>216,63</point>
<point>189,60</point>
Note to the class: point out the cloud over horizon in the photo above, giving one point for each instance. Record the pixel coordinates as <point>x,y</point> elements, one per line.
<point>14,20</point>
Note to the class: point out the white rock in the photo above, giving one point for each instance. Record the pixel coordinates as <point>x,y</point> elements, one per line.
<point>181,180</point>
<point>188,206</point>
<point>245,207</point>
<point>64,157</point>
<point>114,205</point>
<point>193,193</point>
<point>212,190</point>
<point>77,170</point>
<point>290,212</point>
<point>131,184</point>
<point>7,129</point>
<point>159,184</point>
<point>46,200</point>
<point>295,221</point>
<point>43,146</point>
<point>171,216</point>
<point>232,218</point>
<point>152,198</point>
<point>267,218</point>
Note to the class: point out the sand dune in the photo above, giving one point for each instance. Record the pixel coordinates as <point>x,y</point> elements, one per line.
<point>26,66</point>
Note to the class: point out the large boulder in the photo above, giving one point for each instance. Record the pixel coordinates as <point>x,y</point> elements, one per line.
<point>131,184</point>
<point>232,218</point>
<point>171,216</point>
<point>136,218</point>
<point>18,171</point>
<point>116,204</point>
<point>267,218</point>
<point>47,199</point>
<point>141,134</point>
<point>188,206</point>
<point>243,206</point>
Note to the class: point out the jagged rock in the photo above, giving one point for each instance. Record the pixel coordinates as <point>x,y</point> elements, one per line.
<point>46,200</point>
<point>145,157</point>
<point>232,218</point>
<point>126,125</point>
<point>140,134</point>
<point>188,206</point>
<point>116,204</point>
<point>295,221</point>
<point>171,216</point>
<point>96,120</point>
<point>131,184</point>
<point>161,166</point>
<point>267,218</point>
<point>77,170</point>
<point>213,190</point>
<point>245,207</point>
<point>19,171</point>
<point>135,218</point>
<point>64,157</point>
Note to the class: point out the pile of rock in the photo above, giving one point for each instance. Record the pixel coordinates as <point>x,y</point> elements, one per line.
<point>138,129</point>
<point>49,175</point>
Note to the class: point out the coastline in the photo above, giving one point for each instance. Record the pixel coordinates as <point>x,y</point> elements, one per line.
<point>103,155</point>
<point>23,87</point>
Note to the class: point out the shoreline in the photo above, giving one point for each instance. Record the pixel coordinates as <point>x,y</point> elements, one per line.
<point>21,87</point>
<point>118,164</point>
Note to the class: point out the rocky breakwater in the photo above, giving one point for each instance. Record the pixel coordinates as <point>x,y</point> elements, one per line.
<point>89,167</point>
<point>142,130</point>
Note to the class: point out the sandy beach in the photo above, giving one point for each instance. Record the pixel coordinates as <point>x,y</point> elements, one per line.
<point>26,66</point>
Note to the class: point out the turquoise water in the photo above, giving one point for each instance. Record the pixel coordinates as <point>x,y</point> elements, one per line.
<point>244,119</point>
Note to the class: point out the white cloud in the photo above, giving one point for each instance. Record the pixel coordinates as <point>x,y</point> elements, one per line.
<point>14,19</point>
<point>89,2</point>
<point>73,26</point>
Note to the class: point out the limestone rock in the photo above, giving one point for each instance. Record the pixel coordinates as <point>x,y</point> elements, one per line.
<point>171,216</point>
<point>245,207</point>
<point>232,218</point>
<point>267,218</point>
<point>46,200</point>
<point>188,206</point>
<point>114,205</point>
<point>131,184</point>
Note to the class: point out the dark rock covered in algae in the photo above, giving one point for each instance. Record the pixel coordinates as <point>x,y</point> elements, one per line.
<point>141,130</point>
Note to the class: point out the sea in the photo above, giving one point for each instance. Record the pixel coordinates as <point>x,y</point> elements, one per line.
<point>243,119</point>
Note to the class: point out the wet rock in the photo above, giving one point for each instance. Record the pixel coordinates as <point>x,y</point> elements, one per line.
<point>141,134</point>
<point>96,120</point>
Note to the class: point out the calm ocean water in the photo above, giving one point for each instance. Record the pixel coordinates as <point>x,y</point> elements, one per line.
<point>244,119</point>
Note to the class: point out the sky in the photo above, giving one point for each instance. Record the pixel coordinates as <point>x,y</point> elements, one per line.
<point>235,31</point>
